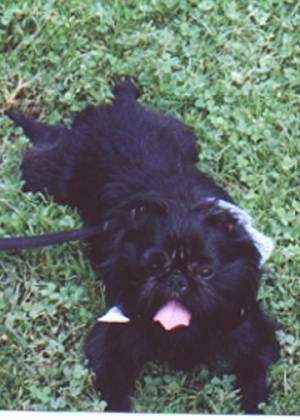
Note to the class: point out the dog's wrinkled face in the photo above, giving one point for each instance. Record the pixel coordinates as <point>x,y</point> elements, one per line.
<point>176,266</point>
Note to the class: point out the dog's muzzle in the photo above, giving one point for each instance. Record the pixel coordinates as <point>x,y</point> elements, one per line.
<point>177,283</point>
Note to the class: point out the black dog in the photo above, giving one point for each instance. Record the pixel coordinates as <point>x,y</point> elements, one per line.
<point>180,261</point>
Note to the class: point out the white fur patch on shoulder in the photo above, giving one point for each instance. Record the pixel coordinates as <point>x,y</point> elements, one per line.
<point>263,243</point>
<point>114,314</point>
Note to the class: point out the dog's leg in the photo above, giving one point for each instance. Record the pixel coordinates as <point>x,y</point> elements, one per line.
<point>252,380</point>
<point>40,134</point>
<point>257,348</point>
<point>116,353</point>
<point>46,165</point>
<point>47,171</point>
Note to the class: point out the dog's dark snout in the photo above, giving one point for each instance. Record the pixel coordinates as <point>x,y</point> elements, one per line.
<point>177,282</point>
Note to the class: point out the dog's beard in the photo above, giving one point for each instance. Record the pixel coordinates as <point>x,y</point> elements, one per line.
<point>172,310</point>
<point>203,303</point>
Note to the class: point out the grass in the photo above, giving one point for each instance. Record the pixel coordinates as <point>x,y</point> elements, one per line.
<point>229,69</point>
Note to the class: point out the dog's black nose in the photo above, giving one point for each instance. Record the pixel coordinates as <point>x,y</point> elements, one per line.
<point>177,282</point>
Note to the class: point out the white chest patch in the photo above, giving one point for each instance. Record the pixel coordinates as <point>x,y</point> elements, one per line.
<point>114,314</point>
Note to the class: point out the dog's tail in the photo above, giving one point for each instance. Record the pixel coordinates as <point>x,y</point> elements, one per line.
<point>126,88</point>
<point>41,134</point>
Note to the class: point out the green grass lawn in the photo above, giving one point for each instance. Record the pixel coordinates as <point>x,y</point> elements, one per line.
<point>230,70</point>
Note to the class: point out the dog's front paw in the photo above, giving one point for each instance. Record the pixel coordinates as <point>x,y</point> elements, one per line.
<point>121,405</point>
<point>114,361</point>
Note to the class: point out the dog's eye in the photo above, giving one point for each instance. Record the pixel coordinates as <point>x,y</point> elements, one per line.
<point>206,271</point>
<point>200,270</point>
<point>156,262</point>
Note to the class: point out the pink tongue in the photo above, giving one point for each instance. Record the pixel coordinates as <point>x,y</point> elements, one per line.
<point>173,315</point>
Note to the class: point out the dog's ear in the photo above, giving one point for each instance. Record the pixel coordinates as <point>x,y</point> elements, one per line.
<point>232,218</point>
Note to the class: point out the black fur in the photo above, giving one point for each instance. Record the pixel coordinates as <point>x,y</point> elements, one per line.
<point>163,238</point>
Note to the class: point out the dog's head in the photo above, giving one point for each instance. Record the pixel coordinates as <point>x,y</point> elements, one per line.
<point>174,264</point>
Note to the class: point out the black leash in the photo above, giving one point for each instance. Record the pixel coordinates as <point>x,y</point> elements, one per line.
<point>25,242</point>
